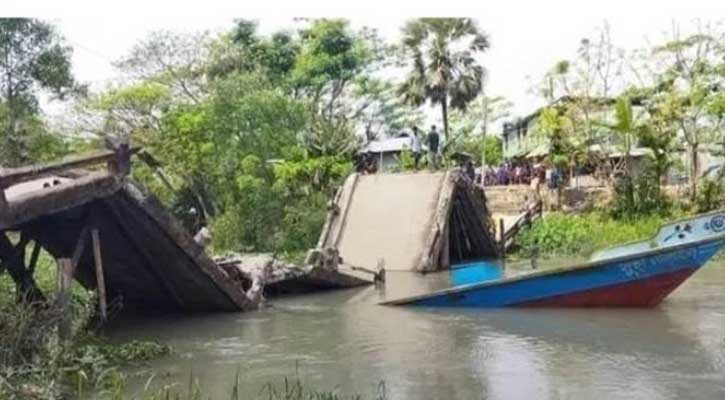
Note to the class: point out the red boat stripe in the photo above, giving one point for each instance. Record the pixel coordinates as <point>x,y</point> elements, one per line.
<point>641,293</point>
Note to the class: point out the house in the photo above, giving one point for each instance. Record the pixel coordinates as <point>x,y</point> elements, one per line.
<point>387,152</point>
<point>520,138</point>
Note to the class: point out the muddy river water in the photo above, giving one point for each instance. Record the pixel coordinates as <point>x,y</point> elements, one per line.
<point>342,340</point>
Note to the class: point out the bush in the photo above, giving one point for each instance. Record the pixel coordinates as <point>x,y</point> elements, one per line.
<point>640,196</point>
<point>562,234</point>
<point>711,195</point>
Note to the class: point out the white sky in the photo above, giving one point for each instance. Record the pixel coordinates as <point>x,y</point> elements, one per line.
<point>527,37</point>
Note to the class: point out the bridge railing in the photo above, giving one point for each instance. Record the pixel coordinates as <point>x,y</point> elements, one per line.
<point>118,162</point>
<point>533,211</point>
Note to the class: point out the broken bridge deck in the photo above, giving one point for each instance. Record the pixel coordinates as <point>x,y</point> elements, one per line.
<point>421,221</point>
<point>149,261</point>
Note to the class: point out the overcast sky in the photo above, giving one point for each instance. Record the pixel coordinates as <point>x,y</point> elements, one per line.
<point>527,37</point>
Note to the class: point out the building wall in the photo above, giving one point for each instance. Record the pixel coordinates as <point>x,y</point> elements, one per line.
<point>388,161</point>
<point>521,139</point>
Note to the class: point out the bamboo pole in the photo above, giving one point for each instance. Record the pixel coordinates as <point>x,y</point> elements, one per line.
<point>503,241</point>
<point>100,281</point>
<point>3,201</point>
<point>78,251</point>
<point>34,257</point>
<point>65,279</point>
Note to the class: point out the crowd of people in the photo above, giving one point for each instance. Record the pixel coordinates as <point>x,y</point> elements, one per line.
<point>522,173</point>
<point>514,172</point>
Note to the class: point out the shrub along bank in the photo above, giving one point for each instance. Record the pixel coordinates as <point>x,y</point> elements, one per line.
<point>559,234</point>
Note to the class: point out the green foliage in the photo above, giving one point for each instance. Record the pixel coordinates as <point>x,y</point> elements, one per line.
<point>37,142</point>
<point>256,157</point>
<point>488,148</point>
<point>639,196</point>
<point>382,111</point>
<point>33,57</point>
<point>566,144</point>
<point>114,387</point>
<point>443,70</point>
<point>479,115</point>
<point>711,195</point>
<point>582,234</point>
<point>687,93</point>
<point>121,353</point>
<point>133,111</point>
<point>329,53</point>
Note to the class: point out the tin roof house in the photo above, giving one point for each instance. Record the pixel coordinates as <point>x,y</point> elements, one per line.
<point>387,151</point>
<point>520,138</point>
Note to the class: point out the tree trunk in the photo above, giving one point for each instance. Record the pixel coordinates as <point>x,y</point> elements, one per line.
<point>694,170</point>
<point>444,111</point>
<point>13,259</point>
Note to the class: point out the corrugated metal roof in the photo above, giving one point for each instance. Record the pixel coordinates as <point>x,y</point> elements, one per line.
<point>387,145</point>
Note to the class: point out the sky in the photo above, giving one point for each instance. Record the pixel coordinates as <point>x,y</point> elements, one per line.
<point>527,37</point>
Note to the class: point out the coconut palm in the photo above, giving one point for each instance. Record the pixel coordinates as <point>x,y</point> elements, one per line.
<point>444,69</point>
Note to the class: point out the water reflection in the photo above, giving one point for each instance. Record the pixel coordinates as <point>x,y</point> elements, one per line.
<point>342,339</point>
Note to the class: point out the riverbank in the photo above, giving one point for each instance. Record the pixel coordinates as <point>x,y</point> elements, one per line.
<point>580,234</point>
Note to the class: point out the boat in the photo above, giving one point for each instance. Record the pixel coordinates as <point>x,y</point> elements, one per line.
<point>639,274</point>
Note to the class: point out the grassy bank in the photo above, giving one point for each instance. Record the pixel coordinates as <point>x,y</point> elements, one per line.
<point>559,234</point>
<point>37,362</point>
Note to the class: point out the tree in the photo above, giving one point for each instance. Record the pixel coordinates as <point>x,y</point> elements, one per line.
<point>177,61</point>
<point>582,88</point>
<point>382,111</point>
<point>480,115</point>
<point>244,50</point>
<point>444,69</point>
<point>627,129</point>
<point>474,126</point>
<point>691,82</point>
<point>32,57</point>
<point>331,59</point>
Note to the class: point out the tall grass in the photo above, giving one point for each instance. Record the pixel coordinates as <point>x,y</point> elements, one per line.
<point>287,389</point>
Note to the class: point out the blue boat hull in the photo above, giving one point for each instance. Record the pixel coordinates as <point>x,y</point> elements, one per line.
<point>641,280</point>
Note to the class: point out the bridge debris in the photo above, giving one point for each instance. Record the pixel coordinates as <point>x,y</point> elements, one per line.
<point>280,277</point>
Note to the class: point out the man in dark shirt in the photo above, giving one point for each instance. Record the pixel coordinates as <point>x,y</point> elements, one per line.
<point>433,143</point>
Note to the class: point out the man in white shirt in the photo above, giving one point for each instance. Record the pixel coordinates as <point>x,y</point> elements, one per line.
<point>415,146</point>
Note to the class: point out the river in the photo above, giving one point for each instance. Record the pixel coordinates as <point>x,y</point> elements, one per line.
<point>342,340</point>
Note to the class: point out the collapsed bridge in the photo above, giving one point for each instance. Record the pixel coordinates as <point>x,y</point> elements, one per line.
<point>111,235</point>
<point>421,221</point>
<point>115,237</point>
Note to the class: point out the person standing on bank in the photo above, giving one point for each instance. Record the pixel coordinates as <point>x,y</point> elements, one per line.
<point>433,144</point>
<point>415,147</point>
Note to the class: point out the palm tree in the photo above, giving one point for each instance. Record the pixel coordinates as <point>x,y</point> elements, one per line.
<point>444,69</point>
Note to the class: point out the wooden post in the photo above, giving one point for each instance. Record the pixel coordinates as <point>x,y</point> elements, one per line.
<point>34,257</point>
<point>3,199</point>
<point>121,162</point>
<point>503,241</point>
<point>80,246</point>
<point>65,279</point>
<point>100,281</point>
